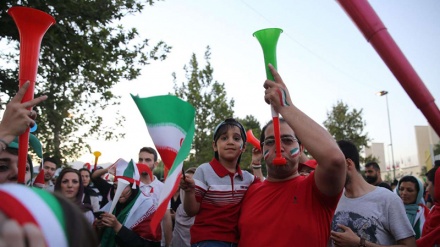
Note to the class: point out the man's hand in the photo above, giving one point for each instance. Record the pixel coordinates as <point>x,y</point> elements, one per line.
<point>14,235</point>
<point>109,220</point>
<point>187,184</point>
<point>276,93</point>
<point>17,118</point>
<point>257,155</point>
<point>346,238</point>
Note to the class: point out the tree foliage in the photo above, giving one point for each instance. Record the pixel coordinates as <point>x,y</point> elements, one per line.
<point>210,101</point>
<point>437,149</point>
<point>346,124</point>
<point>249,123</point>
<point>371,158</point>
<point>82,57</point>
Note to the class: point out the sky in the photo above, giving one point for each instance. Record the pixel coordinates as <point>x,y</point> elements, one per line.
<point>322,58</point>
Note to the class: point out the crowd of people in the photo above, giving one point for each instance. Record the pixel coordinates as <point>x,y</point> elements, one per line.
<point>321,201</point>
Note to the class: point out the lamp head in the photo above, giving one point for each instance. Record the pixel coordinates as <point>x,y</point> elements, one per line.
<point>382,93</point>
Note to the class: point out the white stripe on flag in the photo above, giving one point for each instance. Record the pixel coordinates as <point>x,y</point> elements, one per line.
<point>169,183</point>
<point>166,136</point>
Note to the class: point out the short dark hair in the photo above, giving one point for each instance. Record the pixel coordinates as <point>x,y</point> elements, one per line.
<point>51,159</point>
<point>350,152</point>
<point>437,163</point>
<point>430,175</point>
<point>374,165</point>
<point>227,124</point>
<point>263,135</point>
<point>411,179</point>
<point>150,151</point>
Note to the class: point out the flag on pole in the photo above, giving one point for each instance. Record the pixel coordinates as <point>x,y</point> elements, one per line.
<point>170,122</point>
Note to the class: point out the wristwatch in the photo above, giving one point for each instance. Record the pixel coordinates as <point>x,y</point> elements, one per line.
<point>362,242</point>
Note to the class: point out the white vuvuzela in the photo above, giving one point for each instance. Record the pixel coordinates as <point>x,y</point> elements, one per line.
<point>122,183</point>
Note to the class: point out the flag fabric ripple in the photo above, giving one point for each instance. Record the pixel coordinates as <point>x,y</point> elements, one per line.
<point>170,122</point>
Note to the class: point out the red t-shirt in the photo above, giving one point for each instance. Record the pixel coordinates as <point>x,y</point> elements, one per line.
<point>290,213</point>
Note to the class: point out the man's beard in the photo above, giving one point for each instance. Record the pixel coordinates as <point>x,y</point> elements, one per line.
<point>371,179</point>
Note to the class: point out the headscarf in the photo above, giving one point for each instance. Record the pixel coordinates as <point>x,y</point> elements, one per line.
<point>411,209</point>
<point>431,228</point>
<point>121,212</point>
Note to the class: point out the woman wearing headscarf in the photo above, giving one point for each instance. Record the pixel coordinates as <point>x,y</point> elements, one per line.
<point>431,229</point>
<point>91,194</point>
<point>125,220</point>
<point>410,190</point>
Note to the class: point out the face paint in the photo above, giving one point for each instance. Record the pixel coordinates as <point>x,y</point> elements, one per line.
<point>266,154</point>
<point>294,152</point>
<point>241,146</point>
<point>283,97</point>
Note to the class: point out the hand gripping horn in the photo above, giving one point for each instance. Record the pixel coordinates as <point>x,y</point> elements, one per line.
<point>32,24</point>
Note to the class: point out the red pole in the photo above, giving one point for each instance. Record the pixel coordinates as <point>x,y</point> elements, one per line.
<point>369,23</point>
<point>32,24</point>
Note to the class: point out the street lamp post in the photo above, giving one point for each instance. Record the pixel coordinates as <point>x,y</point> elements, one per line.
<point>382,93</point>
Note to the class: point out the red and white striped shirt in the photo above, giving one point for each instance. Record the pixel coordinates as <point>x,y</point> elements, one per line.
<point>219,193</point>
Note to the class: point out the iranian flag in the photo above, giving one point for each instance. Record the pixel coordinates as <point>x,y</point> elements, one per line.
<point>170,122</point>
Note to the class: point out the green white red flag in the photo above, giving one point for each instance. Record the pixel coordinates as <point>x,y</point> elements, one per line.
<point>170,122</point>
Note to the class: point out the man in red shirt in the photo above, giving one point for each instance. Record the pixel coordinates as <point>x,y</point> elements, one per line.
<point>288,209</point>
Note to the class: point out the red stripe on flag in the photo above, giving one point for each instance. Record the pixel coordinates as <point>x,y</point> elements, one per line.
<point>14,209</point>
<point>160,212</point>
<point>168,156</point>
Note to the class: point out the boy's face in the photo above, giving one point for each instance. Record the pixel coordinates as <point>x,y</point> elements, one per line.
<point>230,144</point>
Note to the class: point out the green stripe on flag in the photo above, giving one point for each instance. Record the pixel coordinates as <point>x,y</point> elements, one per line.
<point>129,171</point>
<point>169,110</point>
<point>53,204</point>
<point>165,109</point>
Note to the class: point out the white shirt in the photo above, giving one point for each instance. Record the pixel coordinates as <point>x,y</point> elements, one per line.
<point>153,189</point>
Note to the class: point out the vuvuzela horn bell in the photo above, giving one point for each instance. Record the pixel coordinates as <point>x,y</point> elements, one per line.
<point>250,138</point>
<point>32,24</point>
<point>96,154</point>
<point>268,39</point>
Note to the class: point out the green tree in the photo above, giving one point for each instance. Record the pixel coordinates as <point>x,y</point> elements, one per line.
<point>249,123</point>
<point>346,124</point>
<point>436,149</point>
<point>82,57</point>
<point>371,158</point>
<point>210,101</point>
